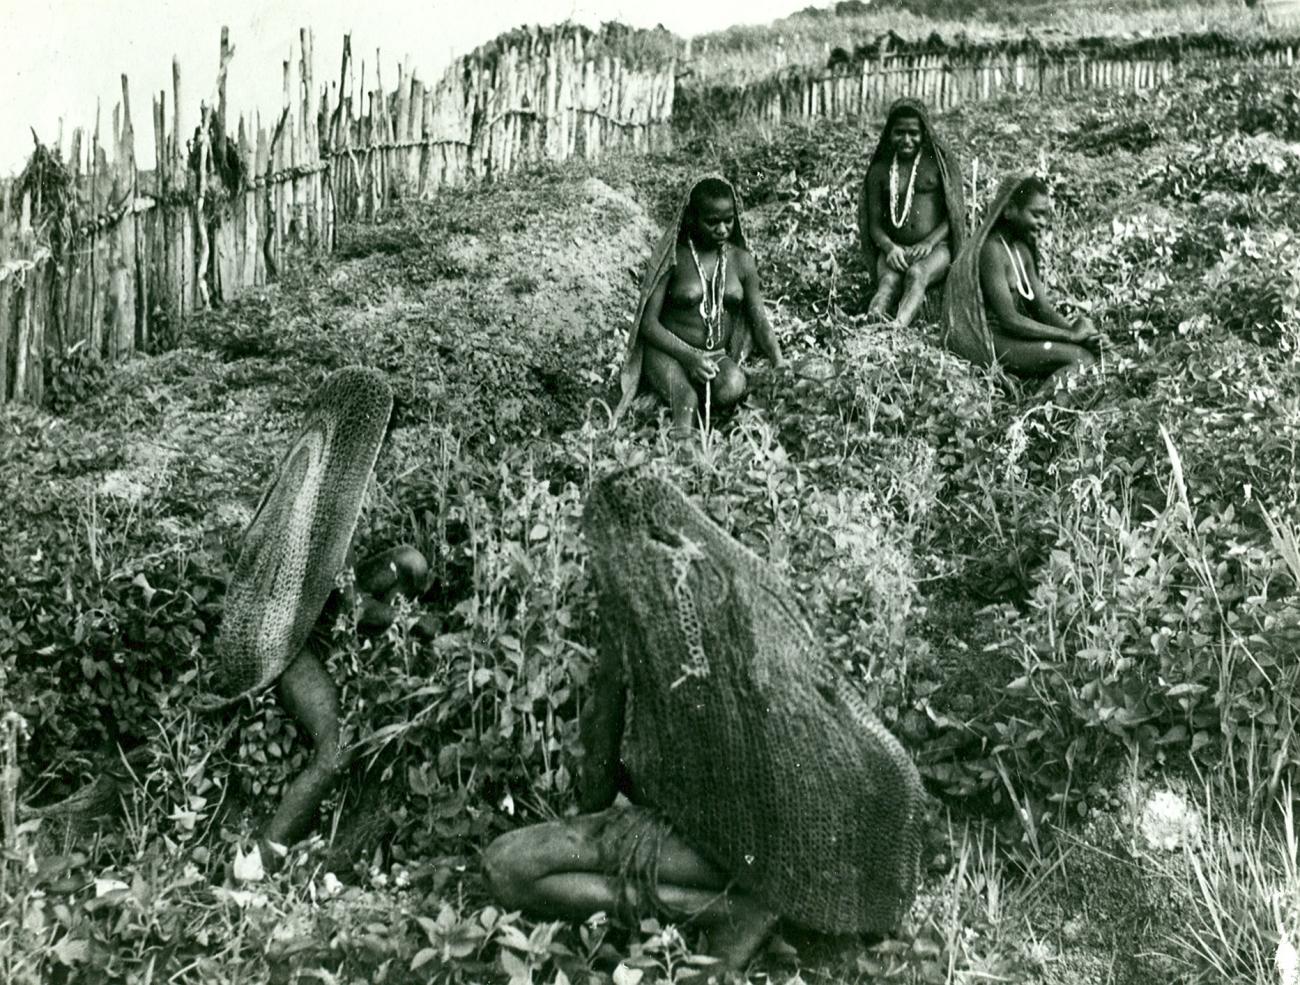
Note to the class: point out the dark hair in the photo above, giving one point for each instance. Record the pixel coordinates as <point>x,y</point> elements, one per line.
<point>904,113</point>
<point>1027,190</point>
<point>707,190</point>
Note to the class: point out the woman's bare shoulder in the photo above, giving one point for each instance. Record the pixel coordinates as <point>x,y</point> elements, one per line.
<point>991,252</point>
<point>742,258</point>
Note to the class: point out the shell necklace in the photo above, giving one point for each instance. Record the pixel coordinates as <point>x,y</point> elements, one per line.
<point>1023,286</point>
<point>899,219</point>
<point>711,301</point>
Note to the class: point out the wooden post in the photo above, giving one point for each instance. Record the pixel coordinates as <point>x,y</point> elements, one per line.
<point>201,295</point>
<point>284,187</point>
<point>335,135</point>
<point>261,203</point>
<point>246,214</point>
<point>309,145</point>
<point>162,188</point>
<point>181,260</point>
<point>226,53</point>
<point>22,353</point>
<point>135,298</point>
<point>96,334</point>
<point>271,240</point>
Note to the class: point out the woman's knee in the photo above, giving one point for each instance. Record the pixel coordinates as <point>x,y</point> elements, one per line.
<point>505,863</point>
<point>916,278</point>
<point>729,385</point>
<point>412,569</point>
<point>327,755</point>
<point>402,568</point>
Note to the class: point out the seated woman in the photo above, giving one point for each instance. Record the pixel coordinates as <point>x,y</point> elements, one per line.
<point>911,212</point>
<point>996,306</point>
<point>701,308</point>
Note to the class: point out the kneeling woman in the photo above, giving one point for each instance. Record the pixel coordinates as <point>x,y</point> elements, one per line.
<point>997,308</point>
<point>758,784</point>
<point>700,309</point>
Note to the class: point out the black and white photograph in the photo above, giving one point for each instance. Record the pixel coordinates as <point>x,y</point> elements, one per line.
<point>592,492</point>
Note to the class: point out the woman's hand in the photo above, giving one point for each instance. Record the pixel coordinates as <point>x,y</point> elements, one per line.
<point>896,259</point>
<point>702,366</point>
<point>920,251</point>
<point>1083,332</point>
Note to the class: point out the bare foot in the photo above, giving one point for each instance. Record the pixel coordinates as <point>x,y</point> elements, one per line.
<point>273,855</point>
<point>736,937</point>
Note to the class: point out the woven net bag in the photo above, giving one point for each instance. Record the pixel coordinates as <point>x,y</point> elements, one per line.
<point>298,539</point>
<point>738,730</point>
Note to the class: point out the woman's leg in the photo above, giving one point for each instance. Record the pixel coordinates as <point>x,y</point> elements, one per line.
<point>889,282</point>
<point>561,870</point>
<point>1026,357</point>
<point>382,577</point>
<point>669,380</point>
<point>920,277</point>
<point>729,385</point>
<point>308,694</point>
<point>397,571</point>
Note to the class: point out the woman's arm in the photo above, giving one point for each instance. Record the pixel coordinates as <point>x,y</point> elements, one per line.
<point>601,733</point>
<point>1042,306</point>
<point>756,312</point>
<point>875,225</point>
<point>895,256</point>
<point>995,267</point>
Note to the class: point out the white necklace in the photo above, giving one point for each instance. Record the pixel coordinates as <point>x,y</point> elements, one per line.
<point>1022,276</point>
<point>893,191</point>
<point>711,301</point>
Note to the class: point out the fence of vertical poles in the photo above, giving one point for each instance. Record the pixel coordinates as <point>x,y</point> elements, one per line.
<point>945,75</point>
<point>100,258</point>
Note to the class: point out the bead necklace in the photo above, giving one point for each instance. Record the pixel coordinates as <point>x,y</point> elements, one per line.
<point>711,301</point>
<point>893,191</point>
<point>1022,276</point>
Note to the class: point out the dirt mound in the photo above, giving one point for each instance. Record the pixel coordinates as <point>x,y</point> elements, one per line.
<point>571,274</point>
<point>510,303</point>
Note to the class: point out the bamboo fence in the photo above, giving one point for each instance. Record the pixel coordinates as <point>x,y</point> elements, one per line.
<point>550,94</point>
<point>101,258</point>
<point>944,76</point>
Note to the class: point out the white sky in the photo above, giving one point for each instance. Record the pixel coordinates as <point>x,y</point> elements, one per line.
<point>58,56</point>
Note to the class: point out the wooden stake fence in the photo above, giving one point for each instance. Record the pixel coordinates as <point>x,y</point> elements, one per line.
<point>551,95</point>
<point>98,258</point>
<point>945,79</point>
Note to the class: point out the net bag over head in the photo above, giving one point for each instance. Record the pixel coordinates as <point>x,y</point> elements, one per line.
<point>739,731</point>
<point>298,539</point>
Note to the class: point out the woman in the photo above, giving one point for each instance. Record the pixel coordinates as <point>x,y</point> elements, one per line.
<point>299,539</point>
<point>757,784</point>
<point>911,212</point>
<point>700,302</point>
<point>997,308</point>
